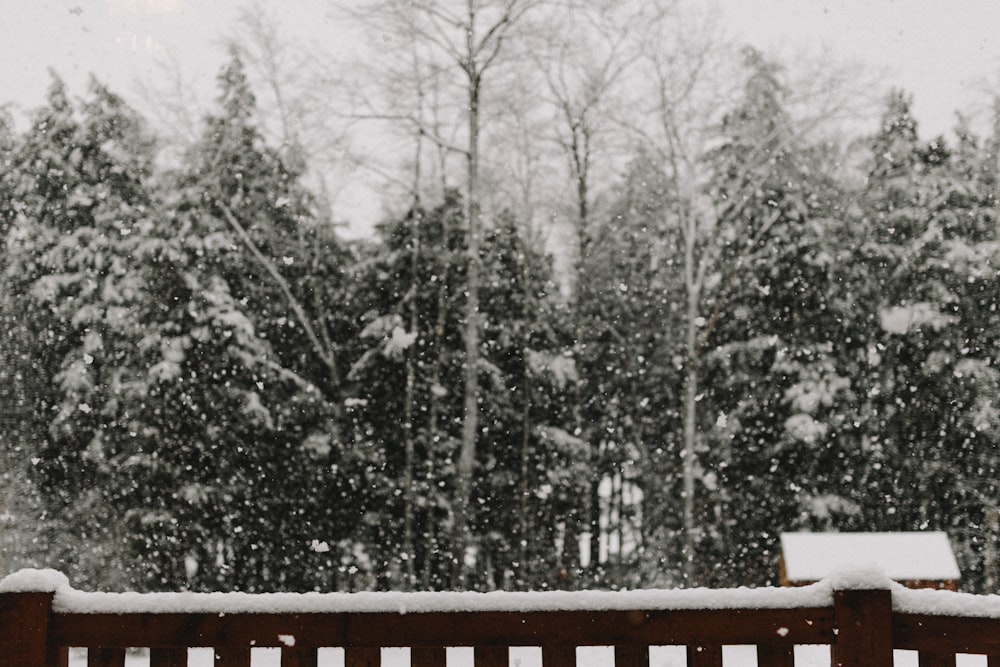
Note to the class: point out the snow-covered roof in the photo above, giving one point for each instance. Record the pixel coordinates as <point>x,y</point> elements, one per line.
<point>916,556</point>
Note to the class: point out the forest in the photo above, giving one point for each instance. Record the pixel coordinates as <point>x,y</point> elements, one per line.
<point>641,300</point>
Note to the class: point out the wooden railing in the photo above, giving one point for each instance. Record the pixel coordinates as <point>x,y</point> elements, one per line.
<point>38,627</point>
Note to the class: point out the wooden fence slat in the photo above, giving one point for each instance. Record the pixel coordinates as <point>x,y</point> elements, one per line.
<point>493,628</point>
<point>298,656</point>
<point>491,656</point>
<point>58,656</point>
<point>232,657</point>
<point>24,628</point>
<point>105,657</point>
<point>631,656</point>
<point>168,657</point>
<point>775,655</point>
<point>945,634</point>
<point>928,659</point>
<point>993,660</point>
<point>558,656</point>
<point>428,656</point>
<point>362,656</point>
<point>864,628</point>
<point>704,656</point>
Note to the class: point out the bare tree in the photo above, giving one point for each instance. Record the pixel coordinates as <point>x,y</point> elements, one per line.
<point>470,39</point>
<point>687,68</point>
<point>585,55</point>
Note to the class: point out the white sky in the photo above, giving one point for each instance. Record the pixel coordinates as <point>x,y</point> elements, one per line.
<point>939,50</point>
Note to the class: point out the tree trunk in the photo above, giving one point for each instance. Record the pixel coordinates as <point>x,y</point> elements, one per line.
<point>689,460</point>
<point>470,421</point>
<point>522,569</point>
<point>408,400</point>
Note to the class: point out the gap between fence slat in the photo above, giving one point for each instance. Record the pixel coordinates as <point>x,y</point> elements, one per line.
<point>704,656</point>
<point>105,657</point>
<point>558,656</point>
<point>232,657</point>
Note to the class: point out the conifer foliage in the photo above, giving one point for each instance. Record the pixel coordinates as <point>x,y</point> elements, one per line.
<point>204,387</point>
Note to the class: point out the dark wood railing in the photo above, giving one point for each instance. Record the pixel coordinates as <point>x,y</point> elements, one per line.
<point>861,627</point>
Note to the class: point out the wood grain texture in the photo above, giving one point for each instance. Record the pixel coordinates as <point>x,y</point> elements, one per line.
<point>366,656</point>
<point>558,656</point>
<point>168,657</point>
<point>705,655</point>
<point>232,657</point>
<point>299,656</point>
<point>631,656</point>
<point>775,655</point>
<point>428,656</point>
<point>946,634</point>
<point>864,628</point>
<point>491,656</point>
<point>927,659</point>
<point>571,628</point>
<point>105,657</point>
<point>24,628</point>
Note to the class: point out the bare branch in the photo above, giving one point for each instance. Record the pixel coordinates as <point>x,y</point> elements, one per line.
<point>325,355</point>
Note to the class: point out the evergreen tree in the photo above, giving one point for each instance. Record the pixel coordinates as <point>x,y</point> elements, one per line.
<point>764,339</point>
<point>79,200</point>
<point>629,296</point>
<point>407,297</point>
<point>239,457</point>
<point>414,288</point>
<point>932,260</point>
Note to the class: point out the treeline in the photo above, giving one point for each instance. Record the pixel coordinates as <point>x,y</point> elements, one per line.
<point>202,386</point>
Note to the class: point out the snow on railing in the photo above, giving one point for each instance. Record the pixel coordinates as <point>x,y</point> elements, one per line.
<point>861,615</point>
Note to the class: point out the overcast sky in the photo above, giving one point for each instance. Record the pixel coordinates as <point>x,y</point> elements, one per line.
<point>942,51</point>
<point>937,49</point>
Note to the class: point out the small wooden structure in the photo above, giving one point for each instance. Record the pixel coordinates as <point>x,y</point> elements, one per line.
<point>914,559</point>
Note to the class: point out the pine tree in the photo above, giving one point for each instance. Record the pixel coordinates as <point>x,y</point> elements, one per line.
<point>412,290</point>
<point>241,441</point>
<point>408,296</point>
<point>80,198</point>
<point>932,261</point>
<point>630,374</point>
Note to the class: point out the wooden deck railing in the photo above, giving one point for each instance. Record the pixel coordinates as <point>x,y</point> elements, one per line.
<point>862,628</point>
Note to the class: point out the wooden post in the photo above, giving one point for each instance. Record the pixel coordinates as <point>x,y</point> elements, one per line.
<point>864,628</point>
<point>24,628</point>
